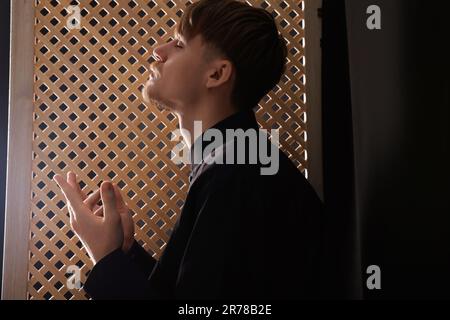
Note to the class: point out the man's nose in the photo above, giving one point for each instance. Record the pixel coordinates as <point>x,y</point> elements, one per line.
<point>160,53</point>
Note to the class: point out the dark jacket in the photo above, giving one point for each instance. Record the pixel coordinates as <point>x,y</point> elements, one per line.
<point>240,235</point>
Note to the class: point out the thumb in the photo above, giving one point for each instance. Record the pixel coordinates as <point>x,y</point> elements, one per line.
<point>109,201</point>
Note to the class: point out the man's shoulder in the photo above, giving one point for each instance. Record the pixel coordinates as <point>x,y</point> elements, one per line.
<point>255,175</point>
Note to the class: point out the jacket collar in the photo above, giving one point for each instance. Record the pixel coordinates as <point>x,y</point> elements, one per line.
<point>244,119</point>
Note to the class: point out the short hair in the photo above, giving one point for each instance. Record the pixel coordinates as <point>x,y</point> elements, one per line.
<point>247,36</point>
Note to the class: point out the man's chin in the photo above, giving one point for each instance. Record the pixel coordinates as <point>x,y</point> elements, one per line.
<point>148,98</point>
<point>159,105</point>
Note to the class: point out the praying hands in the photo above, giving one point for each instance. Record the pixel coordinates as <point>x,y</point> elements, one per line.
<point>101,229</point>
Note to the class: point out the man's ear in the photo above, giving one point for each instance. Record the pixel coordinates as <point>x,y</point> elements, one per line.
<point>220,72</point>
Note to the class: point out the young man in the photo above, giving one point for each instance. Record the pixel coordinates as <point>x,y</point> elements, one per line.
<point>241,233</point>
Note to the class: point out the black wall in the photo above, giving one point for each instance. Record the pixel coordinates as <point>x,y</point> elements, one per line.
<point>400,98</point>
<point>387,145</point>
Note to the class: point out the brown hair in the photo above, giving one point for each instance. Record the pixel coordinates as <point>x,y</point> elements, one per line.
<point>245,35</point>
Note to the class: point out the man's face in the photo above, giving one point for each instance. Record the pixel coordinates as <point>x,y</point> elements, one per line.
<point>177,77</point>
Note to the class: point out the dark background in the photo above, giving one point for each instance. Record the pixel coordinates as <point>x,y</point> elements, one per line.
<point>386,146</point>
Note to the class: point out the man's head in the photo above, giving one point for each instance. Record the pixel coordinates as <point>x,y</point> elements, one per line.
<point>224,50</point>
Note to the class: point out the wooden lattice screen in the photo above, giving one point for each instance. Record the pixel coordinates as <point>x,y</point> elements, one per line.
<point>89,117</point>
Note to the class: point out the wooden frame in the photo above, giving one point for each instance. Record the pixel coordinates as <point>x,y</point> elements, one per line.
<point>19,158</point>
<point>313,52</point>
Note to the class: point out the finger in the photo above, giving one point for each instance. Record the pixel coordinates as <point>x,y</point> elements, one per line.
<point>127,225</point>
<point>99,212</point>
<point>109,202</point>
<point>71,217</point>
<point>71,195</point>
<point>127,221</point>
<point>120,204</point>
<point>72,180</point>
<point>92,199</point>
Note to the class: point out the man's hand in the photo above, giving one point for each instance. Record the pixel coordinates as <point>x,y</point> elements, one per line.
<point>99,228</point>
<point>121,206</point>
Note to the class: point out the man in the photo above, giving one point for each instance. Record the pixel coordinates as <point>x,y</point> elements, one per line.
<point>241,233</point>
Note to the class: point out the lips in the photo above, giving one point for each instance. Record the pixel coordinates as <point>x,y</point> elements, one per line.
<point>154,73</point>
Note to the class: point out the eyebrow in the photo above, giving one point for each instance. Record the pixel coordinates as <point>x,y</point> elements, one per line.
<point>179,37</point>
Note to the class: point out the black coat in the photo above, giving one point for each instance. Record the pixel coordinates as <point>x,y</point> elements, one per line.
<point>240,235</point>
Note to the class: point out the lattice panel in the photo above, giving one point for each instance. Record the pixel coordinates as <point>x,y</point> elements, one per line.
<point>89,118</point>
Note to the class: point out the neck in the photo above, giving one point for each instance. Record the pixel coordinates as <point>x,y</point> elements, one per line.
<point>208,117</point>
